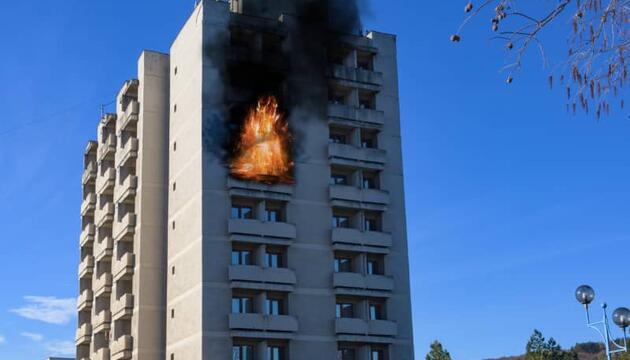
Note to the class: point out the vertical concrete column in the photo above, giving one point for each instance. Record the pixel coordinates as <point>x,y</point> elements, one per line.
<point>356,137</point>
<point>260,300</point>
<point>351,59</point>
<point>363,352</point>
<point>353,98</point>
<point>361,309</point>
<point>260,210</point>
<point>361,263</point>
<point>261,351</point>
<point>259,255</point>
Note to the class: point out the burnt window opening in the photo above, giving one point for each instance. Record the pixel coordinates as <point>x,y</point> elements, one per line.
<point>369,139</point>
<point>339,95</point>
<point>339,135</point>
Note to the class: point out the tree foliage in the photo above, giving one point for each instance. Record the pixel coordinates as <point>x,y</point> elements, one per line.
<point>540,349</point>
<point>438,352</point>
<point>598,44</point>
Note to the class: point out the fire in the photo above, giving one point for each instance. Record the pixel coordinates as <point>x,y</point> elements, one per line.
<point>263,150</point>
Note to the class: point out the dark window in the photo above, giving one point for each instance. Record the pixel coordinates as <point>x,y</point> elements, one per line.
<point>339,221</point>
<point>367,100</point>
<point>337,138</point>
<point>371,223</point>
<point>242,352</point>
<point>273,215</point>
<point>343,264</point>
<point>376,311</point>
<point>242,212</point>
<point>368,140</point>
<point>336,99</point>
<point>274,306</point>
<point>275,353</point>
<point>241,257</point>
<point>377,354</point>
<point>374,266</point>
<point>344,310</point>
<point>370,180</point>
<point>345,354</point>
<point>242,305</point>
<point>273,259</point>
<point>338,179</point>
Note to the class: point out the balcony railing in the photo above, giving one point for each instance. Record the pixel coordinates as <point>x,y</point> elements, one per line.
<point>126,190</point>
<point>363,282</point>
<point>103,284</point>
<point>123,307</point>
<point>354,194</point>
<point>89,174</point>
<point>124,267</point>
<point>262,274</point>
<point>103,248</point>
<point>102,321</point>
<point>86,267</point>
<point>260,322</point>
<point>361,238</point>
<point>345,112</point>
<point>107,148</point>
<point>102,354</point>
<point>348,153</point>
<point>128,152</point>
<point>125,227</point>
<point>122,348</point>
<point>371,78</point>
<point>362,327</point>
<point>104,215</point>
<point>84,301</point>
<point>262,228</point>
<point>129,118</point>
<point>88,204</point>
<point>83,334</point>
<point>105,182</point>
<point>87,235</point>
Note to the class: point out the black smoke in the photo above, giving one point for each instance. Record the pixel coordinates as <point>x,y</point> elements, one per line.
<point>291,65</point>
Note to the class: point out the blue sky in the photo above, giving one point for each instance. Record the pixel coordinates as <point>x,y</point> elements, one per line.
<point>512,203</point>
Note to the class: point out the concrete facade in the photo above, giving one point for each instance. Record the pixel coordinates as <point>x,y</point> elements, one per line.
<point>172,269</point>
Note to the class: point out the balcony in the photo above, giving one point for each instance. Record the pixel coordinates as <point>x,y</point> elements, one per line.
<point>363,282</point>
<point>361,238</point>
<point>87,235</point>
<point>362,327</point>
<point>102,321</point>
<point>122,347</point>
<point>260,322</point>
<point>89,174</point>
<point>129,118</point>
<point>103,249</point>
<point>124,267</point>
<point>105,182</point>
<point>88,205</point>
<point>373,79</point>
<point>126,190</point>
<point>103,285</point>
<point>107,148</point>
<point>108,119</point>
<point>84,302</point>
<point>263,275</point>
<point>248,186</point>
<point>261,228</point>
<point>83,334</point>
<point>125,227</point>
<point>86,267</point>
<point>344,154</point>
<point>128,152</point>
<point>358,195</point>
<point>123,307</point>
<point>104,215</point>
<point>345,112</point>
<point>102,354</point>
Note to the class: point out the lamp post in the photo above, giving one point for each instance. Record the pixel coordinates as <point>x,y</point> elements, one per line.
<point>621,317</point>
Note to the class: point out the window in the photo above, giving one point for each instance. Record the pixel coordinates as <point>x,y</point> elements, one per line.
<point>345,354</point>
<point>274,211</point>
<point>336,138</point>
<point>275,353</point>
<point>370,180</point>
<point>374,266</point>
<point>376,311</point>
<point>368,140</point>
<point>173,270</point>
<point>370,225</point>
<point>338,179</point>
<point>174,186</point>
<point>175,146</point>
<point>273,259</point>
<point>242,212</point>
<point>175,108</point>
<point>343,264</point>
<point>344,310</point>
<point>242,305</point>
<point>365,61</point>
<point>241,257</point>
<point>274,306</point>
<point>242,352</point>
<point>367,100</point>
<point>175,70</point>
<point>372,221</point>
<point>340,221</point>
<point>172,313</point>
<point>377,354</point>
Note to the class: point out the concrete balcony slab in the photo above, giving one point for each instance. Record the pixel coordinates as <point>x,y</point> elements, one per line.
<point>262,275</point>
<point>84,302</point>
<point>364,117</point>
<point>361,238</point>
<point>102,321</point>
<point>83,334</point>
<point>86,239</point>
<point>103,285</point>
<point>362,198</point>
<point>88,205</point>
<point>103,249</point>
<point>86,267</point>
<point>125,227</point>
<point>262,228</point>
<point>127,153</point>
<point>123,307</point>
<point>105,215</point>
<point>105,181</point>
<point>344,154</point>
<point>107,148</point>
<point>363,282</point>
<point>123,268</point>
<point>125,192</point>
<point>260,322</point>
<point>122,348</point>
<point>129,118</point>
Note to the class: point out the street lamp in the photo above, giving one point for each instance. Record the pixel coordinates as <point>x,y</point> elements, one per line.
<point>621,317</point>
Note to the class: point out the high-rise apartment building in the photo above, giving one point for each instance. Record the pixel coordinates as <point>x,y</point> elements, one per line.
<point>246,199</point>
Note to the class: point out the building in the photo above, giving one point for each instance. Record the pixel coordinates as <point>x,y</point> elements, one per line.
<point>184,258</point>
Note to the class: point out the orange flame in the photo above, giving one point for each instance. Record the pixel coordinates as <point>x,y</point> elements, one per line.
<point>262,153</point>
